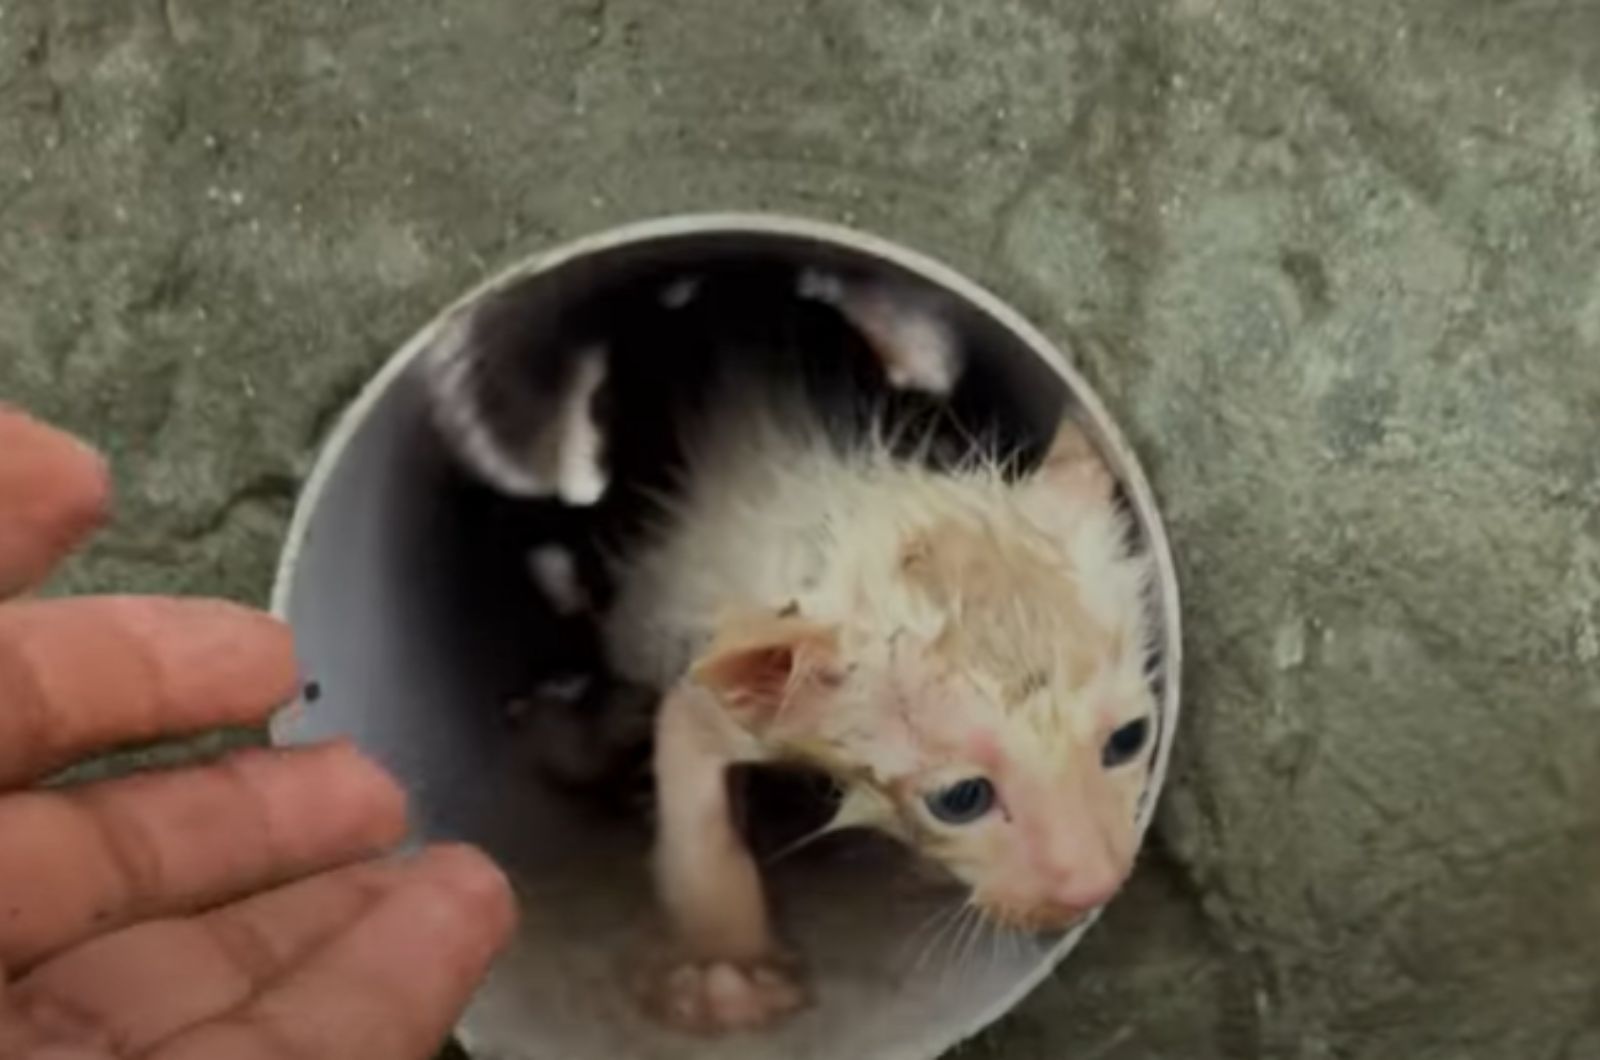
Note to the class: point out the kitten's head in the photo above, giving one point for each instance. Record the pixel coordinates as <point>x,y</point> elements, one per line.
<point>971,668</point>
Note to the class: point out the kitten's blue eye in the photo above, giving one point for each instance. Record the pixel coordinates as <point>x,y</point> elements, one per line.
<point>962,802</point>
<point>1125,743</point>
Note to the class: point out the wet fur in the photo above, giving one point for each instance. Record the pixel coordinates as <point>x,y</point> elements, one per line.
<point>921,609</point>
<point>805,579</point>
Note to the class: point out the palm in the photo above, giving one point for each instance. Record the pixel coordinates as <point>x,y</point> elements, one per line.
<point>225,912</point>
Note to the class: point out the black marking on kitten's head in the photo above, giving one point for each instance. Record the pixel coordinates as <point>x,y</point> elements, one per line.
<point>523,421</point>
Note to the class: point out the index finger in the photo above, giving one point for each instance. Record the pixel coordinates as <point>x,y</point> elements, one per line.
<point>81,675</point>
<point>53,491</point>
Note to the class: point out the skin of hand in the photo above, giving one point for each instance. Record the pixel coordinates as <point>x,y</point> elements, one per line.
<point>241,910</point>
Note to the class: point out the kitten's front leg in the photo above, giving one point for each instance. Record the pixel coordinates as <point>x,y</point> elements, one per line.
<point>729,973</point>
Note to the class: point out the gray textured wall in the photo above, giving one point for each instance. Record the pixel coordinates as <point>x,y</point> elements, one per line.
<point>1336,264</point>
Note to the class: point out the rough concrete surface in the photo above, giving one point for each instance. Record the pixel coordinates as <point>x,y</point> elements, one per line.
<point>1335,263</point>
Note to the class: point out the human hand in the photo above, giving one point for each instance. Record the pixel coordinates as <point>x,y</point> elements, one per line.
<point>222,912</point>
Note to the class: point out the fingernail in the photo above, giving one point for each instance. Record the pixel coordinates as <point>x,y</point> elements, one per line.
<point>470,873</point>
<point>386,800</point>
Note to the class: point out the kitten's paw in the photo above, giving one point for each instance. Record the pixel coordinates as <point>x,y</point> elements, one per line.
<point>719,997</point>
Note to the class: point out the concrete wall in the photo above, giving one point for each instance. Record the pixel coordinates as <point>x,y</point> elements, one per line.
<point>1336,264</point>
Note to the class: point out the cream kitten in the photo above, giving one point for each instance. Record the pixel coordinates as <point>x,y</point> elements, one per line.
<point>961,650</point>
<point>965,655</point>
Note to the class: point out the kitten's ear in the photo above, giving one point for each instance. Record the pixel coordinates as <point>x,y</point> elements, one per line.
<point>1072,476</point>
<point>764,664</point>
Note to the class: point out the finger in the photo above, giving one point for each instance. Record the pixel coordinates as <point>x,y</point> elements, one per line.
<point>387,988</point>
<point>126,992</point>
<point>53,491</point>
<point>79,675</point>
<point>81,862</point>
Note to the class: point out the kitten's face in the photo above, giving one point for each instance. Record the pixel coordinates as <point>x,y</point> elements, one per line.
<point>978,688</point>
<point>1024,789</point>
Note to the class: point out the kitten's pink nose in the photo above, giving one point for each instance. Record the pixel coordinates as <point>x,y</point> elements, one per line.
<point>1078,890</point>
